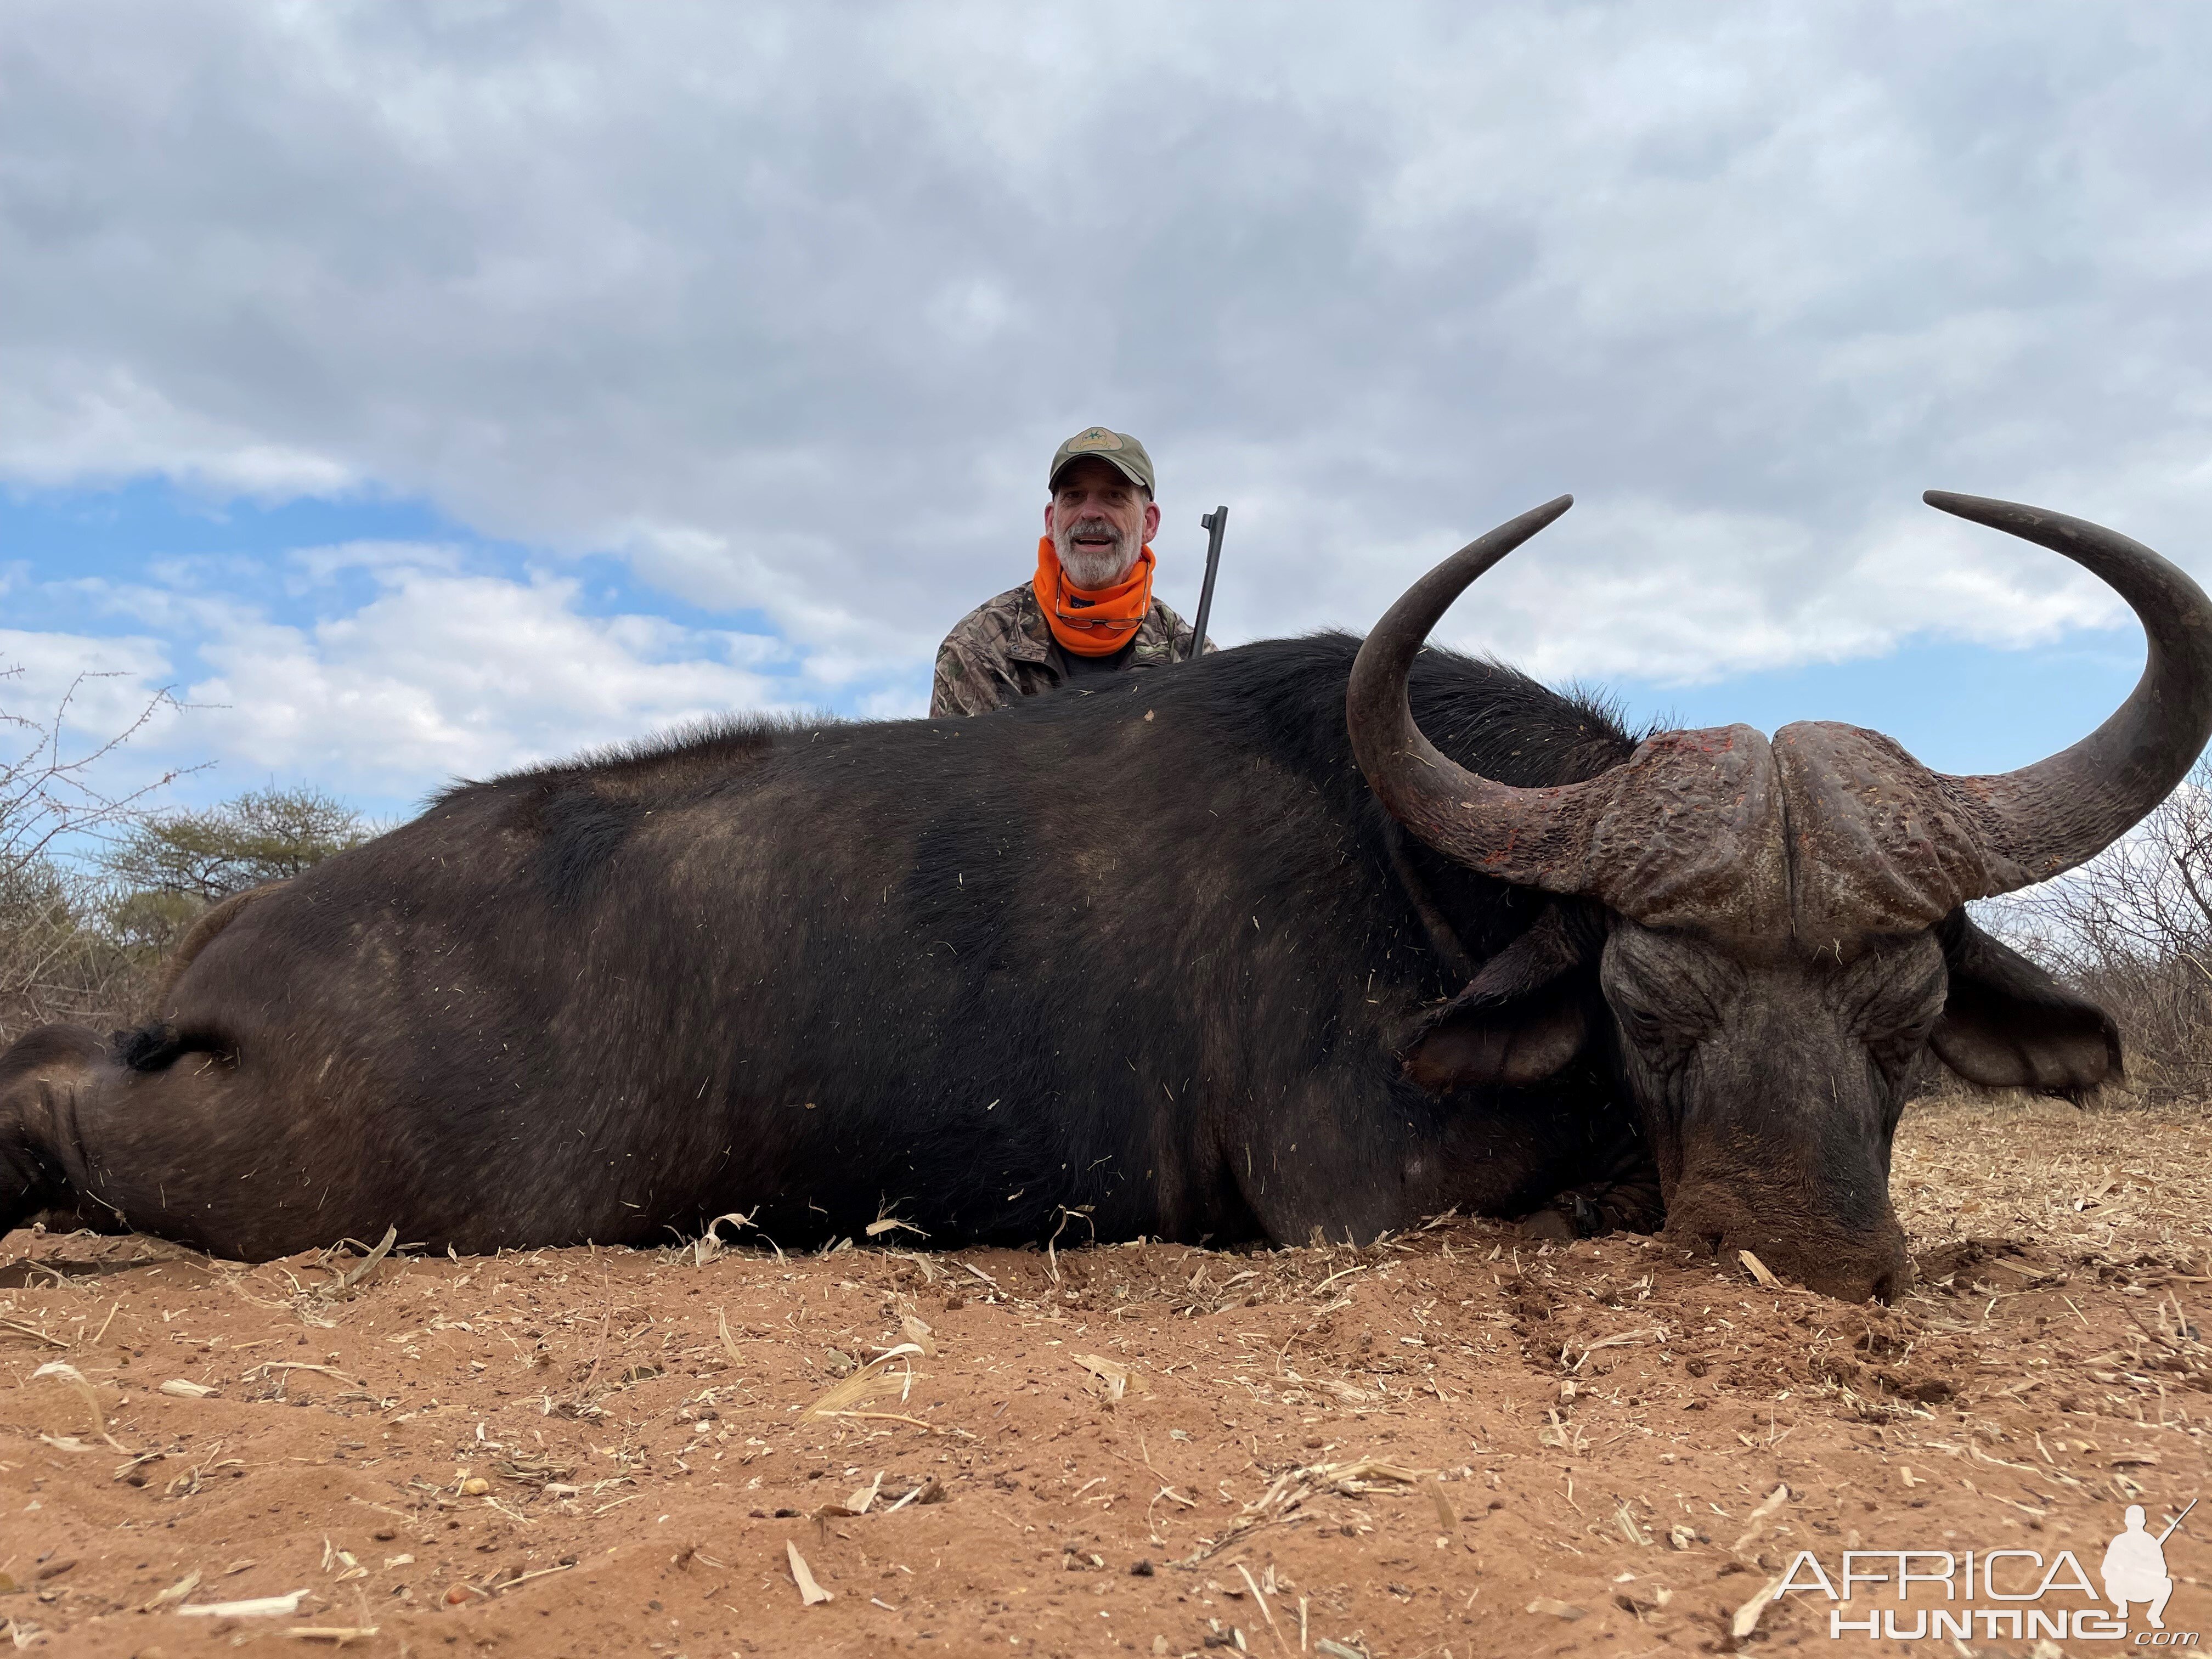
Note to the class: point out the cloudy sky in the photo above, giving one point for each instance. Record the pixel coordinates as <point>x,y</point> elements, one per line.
<point>421,389</point>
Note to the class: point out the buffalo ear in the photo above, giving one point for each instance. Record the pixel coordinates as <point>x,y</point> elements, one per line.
<point>2007,1024</point>
<point>1520,1019</point>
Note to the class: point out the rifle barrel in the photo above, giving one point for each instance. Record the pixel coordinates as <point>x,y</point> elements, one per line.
<point>2177,1521</point>
<point>1215,524</point>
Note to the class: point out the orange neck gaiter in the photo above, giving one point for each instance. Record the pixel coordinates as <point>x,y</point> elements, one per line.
<point>1109,617</point>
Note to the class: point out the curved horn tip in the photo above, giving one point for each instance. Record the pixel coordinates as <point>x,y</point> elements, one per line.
<point>1523,525</point>
<point>1979,509</point>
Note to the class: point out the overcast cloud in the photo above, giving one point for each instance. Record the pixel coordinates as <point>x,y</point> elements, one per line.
<point>785,308</point>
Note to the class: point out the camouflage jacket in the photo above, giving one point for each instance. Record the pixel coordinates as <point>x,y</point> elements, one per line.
<point>1003,650</point>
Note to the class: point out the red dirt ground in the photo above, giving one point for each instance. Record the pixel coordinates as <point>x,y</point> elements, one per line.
<point>1450,1444</point>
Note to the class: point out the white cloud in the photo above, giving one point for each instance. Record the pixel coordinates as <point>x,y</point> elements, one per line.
<point>97,686</point>
<point>787,306</point>
<point>1644,588</point>
<point>74,423</point>
<point>440,672</point>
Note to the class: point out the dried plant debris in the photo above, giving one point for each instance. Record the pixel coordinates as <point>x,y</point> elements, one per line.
<point>1458,1438</point>
<point>809,1593</point>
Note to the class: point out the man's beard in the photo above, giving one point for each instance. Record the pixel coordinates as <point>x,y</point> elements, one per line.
<point>1095,568</point>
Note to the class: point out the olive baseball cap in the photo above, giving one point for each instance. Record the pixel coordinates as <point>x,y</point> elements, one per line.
<point>1118,449</point>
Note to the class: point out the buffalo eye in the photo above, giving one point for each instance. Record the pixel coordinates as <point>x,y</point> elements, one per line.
<point>1644,1025</point>
<point>1893,997</point>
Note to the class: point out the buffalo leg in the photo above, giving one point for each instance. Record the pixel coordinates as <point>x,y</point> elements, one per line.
<point>1307,1166</point>
<point>1622,1196</point>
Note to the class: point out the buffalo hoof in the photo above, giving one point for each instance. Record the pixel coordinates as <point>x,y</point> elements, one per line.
<point>1552,1224</point>
<point>1570,1215</point>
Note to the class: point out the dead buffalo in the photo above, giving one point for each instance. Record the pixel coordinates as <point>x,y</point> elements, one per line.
<point>1192,956</point>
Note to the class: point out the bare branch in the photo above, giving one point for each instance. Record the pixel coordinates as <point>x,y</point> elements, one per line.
<point>57,960</point>
<point>2133,929</point>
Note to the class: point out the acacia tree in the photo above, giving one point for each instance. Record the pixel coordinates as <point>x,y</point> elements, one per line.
<point>169,867</point>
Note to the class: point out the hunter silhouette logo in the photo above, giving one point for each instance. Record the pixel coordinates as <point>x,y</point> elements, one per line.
<point>2135,1566</point>
<point>2021,1595</point>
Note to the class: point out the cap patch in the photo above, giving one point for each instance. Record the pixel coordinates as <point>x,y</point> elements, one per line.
<point>1096,438</point>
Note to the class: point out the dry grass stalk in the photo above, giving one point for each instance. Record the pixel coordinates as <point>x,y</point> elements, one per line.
<point>1748,1616</point>
<point>1296,1487</point>
<point>1758,1518</point>
<point>709,1245</point>
<point>901,1417</point>
<point>1447,1517</point>
<point>1051,1254</point>
<point>61,1371</point>
<point>258,1606</point>
<point>1266,1612</point>
<point>869,1379</point>
<point>540,1471</point>
<point>1114,1378</point>
<point>176,1592</point>
<point>497,1586</point>
<point>1625,1519</point>
<point>922,1264</point>
<point>1651,1334</point>
<point>2138,1175</point>
<point>929,1491</point>
<point>343,1284</point>
<point>1759,1271</point>
<point>340,1634</point>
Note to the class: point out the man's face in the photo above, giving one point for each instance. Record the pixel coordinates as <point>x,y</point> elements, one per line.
<point>1099,523</point>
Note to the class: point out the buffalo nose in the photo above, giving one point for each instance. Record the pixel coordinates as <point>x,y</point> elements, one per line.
<point>1861,1263</point>
<point>1860,1274</point>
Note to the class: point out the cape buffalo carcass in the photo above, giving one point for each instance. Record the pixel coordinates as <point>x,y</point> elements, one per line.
<point>1197,956</point>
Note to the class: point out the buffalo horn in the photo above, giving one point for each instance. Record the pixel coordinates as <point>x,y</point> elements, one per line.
<point>2044,818</point>
<point>1527,836</point>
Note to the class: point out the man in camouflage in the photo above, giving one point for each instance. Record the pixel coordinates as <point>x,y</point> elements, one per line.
<point>1099,522</point>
